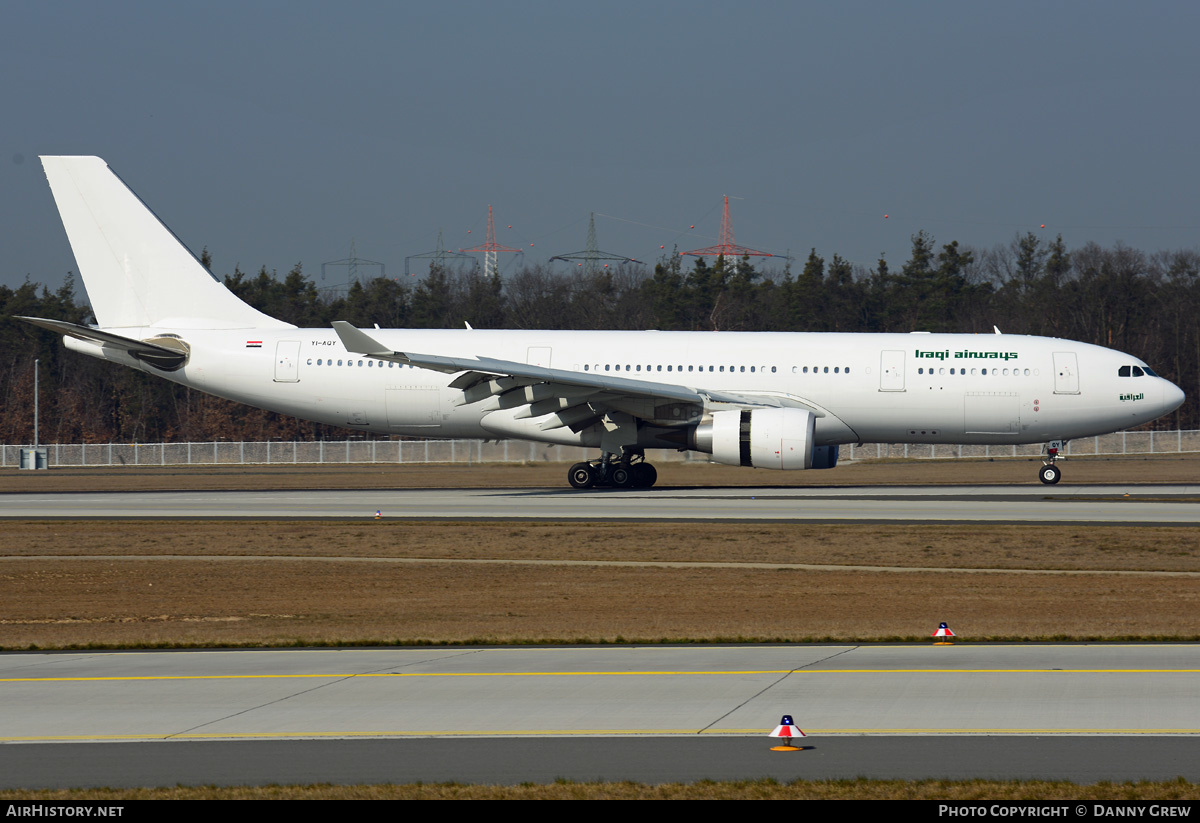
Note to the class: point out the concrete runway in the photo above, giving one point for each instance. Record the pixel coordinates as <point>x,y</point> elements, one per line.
<point>1135,504</point>
<point>1083,712</point>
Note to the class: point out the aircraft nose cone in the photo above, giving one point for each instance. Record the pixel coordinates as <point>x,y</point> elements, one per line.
<point>1172,397</point>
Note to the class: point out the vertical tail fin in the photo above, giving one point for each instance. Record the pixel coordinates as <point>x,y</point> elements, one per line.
<point>136,271</point>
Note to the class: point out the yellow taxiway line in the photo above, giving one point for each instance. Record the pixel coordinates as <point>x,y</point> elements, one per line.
<point>396,733</point>
<point>647,673</point>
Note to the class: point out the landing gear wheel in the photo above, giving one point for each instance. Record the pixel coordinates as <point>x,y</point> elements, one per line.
<point>582,476</point>
<point>644,475</point>
<point>621,477</point>
<point>1050,474</point>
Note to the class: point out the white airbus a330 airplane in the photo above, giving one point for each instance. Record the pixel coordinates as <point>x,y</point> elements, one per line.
<point>767,400</point>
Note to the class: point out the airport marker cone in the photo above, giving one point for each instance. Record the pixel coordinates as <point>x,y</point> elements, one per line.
<point>943,631</point>
<point>378,514</point>
<point>786,730</point>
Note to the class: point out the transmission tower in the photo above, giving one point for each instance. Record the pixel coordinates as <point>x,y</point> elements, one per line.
<point>352,263</point>
<point>491,248</point>
<point>439,256</point>
<point>592,256</point>
<point>728,246</point>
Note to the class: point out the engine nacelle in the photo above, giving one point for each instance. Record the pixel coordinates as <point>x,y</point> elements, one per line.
<point>765,439</point>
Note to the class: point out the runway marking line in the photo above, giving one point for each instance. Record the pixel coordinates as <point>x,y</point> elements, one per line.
<point>579,732</point>
<point>648,673</point>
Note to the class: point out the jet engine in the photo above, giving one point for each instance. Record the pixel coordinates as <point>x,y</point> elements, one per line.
<point>765,439</point>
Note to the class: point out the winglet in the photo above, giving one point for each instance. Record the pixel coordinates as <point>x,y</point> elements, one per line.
<point>358,342</point>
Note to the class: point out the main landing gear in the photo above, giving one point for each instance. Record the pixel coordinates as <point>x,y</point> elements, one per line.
<point>1050,473</point>
<point>629,471</point>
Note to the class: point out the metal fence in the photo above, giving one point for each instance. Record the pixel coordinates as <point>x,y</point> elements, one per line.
<point>522,451</point>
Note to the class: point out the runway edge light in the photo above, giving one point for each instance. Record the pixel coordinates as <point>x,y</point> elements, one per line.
<point>943,631</point>
<point>786,730</point>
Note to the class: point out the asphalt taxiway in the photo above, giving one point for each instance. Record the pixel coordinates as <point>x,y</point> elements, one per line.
<point>639,713</point>
<point>1135,504</point>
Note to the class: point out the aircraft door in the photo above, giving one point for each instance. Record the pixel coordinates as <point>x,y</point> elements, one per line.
<point>1066,373</point>
<point>287,361</point>
<point>891,371</point>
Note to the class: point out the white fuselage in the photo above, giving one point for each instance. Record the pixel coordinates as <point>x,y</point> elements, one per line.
<point>916,388</point>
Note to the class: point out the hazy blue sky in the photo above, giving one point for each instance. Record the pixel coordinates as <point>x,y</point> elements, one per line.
<point>274,132</point>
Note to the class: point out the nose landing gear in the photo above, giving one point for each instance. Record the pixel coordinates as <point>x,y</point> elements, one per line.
<point>1050,473</point>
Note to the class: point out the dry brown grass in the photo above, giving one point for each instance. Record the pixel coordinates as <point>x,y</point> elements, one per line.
<point>232,583</point>
<point>926,545</point>
<point>861,789</point>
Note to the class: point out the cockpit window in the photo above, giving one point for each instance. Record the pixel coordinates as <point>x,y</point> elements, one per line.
<point>1149,371</point>
<point>1137,371</point>
<point>1123,371</point>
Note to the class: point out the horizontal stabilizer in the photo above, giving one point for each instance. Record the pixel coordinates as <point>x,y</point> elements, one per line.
<point>169,357</point>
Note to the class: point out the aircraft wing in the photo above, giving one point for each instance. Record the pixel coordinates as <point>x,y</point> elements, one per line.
<point>576,399</point>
